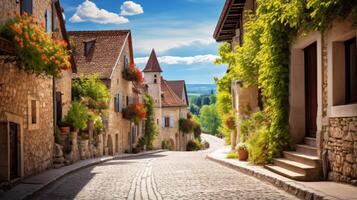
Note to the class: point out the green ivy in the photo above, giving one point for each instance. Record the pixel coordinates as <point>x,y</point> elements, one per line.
<point>150,125</point>
<point>264,57</point>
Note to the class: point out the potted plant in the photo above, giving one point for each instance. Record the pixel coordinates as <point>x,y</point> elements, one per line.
<point>132,73</point>
<point>135,112</point>
<point>64,127</point>
<point>242,150</point>
<point>77,116</point>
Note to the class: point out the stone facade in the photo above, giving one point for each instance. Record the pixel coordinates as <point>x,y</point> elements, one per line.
<point>35,140</point>
<point>119,129</point>
<point>342,149</point>
<point>27,102</point>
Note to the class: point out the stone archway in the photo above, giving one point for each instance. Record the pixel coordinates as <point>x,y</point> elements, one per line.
<point>110,145</point>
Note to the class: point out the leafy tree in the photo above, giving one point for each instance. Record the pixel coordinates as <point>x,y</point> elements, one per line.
<point>150,125</point>
<point>209,119</point>
<point>77,115</point>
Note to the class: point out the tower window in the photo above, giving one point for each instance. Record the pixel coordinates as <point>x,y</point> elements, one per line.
<point>155,81</point>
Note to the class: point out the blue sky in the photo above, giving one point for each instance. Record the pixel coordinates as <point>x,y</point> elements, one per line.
<point>179,30</point>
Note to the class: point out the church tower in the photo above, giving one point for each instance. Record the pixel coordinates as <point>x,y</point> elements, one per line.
<point>152,77</point>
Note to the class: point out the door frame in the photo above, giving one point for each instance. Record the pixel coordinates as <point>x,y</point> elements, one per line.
<point>9,117</point>
<point>297,105</point>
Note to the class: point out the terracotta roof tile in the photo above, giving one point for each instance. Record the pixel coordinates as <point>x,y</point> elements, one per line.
<point>152,64</point>
<point>169,97</point>
<point>103,55</point>
<point>179,87</point>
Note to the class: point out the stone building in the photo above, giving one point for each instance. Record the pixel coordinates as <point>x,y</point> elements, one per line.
<point>107,53</point>
<point>170,105</point>
<point>322,102</point>
<point>230,29</point>
<point>27,101</point>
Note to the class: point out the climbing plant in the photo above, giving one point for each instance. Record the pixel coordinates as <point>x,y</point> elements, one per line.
<point>150,125</point>
<point>264,57</point>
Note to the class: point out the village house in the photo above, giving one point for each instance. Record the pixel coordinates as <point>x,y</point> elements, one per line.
<point>322,102</point>
<point>30,105</point>
<point>170,105</point>
<point>107,54</point>
<point>230,29</point>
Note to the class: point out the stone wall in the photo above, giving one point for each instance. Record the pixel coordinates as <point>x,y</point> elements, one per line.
<point>342,149</point>
<point>16,88</point>
<point>118,127</point>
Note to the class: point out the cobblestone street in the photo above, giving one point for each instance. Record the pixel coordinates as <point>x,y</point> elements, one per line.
<point>166,175</point>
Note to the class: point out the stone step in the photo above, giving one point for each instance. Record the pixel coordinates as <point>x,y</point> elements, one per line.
<point>293,165</point>
<point>285,172</point>
<point>306,149</point>
<point>302,158</point>
<point>310,141</point>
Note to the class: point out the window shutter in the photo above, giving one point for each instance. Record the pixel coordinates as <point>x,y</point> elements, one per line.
<point>48,18</point>
<point>126,62</point>
<point>171,121</point>
<point>115,104</point>
<point>119,103</point>
<point>53,23</point>
<point>163,122</point>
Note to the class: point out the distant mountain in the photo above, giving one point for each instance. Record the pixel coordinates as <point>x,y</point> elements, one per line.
<point>200,89</point>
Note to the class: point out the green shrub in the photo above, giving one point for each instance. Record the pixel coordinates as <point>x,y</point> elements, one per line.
<point>232,155</point>
<point>77,115</point>
<point>194,145</point>
<point>150,124</point>
<point>165,144</point>
<point>186,125</point>
<point>250,123</point>
<point>259,147</point>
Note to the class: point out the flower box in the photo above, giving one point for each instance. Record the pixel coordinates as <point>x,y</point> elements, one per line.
<point>132,73</point>
<point>135,112</point>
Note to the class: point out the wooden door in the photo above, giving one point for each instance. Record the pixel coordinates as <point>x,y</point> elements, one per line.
<point>310,53</point>
<point>14,151</point>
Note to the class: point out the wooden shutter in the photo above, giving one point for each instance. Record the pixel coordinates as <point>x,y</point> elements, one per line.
<point>120,106</point>
<point>116,104</point>
<point>171,121</point>
<point>48,19</point>
<point>163,122</point>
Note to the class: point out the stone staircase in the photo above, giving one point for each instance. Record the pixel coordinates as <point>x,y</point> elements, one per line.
<point>302,164</point>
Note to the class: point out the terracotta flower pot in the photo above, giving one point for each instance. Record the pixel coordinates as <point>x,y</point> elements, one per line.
<point>64,129</point>
<point>242,154</point>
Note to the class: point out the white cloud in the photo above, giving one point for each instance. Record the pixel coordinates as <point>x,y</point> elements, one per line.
<point>173,60</point>
<point>131,8</point>
<point>88,11</point>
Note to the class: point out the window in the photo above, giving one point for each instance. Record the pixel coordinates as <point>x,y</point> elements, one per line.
<point>155,81</point>
<point>126,62</point>
<point>48,20</point>
<point>117,103</point>
<point>26,6</point>
<point>155,76</point>
<point>351,71</point>
<point>167,121</point>
<point>33,113</point>
<point>88,47</point>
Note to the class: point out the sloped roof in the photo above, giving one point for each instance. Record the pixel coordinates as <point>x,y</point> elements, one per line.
<point>152,64</point>
<point>229,20</point>
<point>103,55</point>
<point>179,87</point>
<point>169,97</point>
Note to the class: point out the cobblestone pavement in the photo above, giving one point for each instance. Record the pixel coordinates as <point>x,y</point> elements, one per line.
<point>166,175</point>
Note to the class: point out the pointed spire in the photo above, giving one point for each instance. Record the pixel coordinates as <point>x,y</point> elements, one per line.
<point>152,64</point>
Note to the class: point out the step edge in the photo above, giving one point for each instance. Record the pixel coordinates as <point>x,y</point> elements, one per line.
<point>272,168</point>
<point>295,163</point>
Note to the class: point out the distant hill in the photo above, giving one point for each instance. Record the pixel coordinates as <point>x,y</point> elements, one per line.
<point>200,89</point>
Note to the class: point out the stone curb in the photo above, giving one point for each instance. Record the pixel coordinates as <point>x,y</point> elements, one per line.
<point>13,193</point>
<point>292,187</point>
